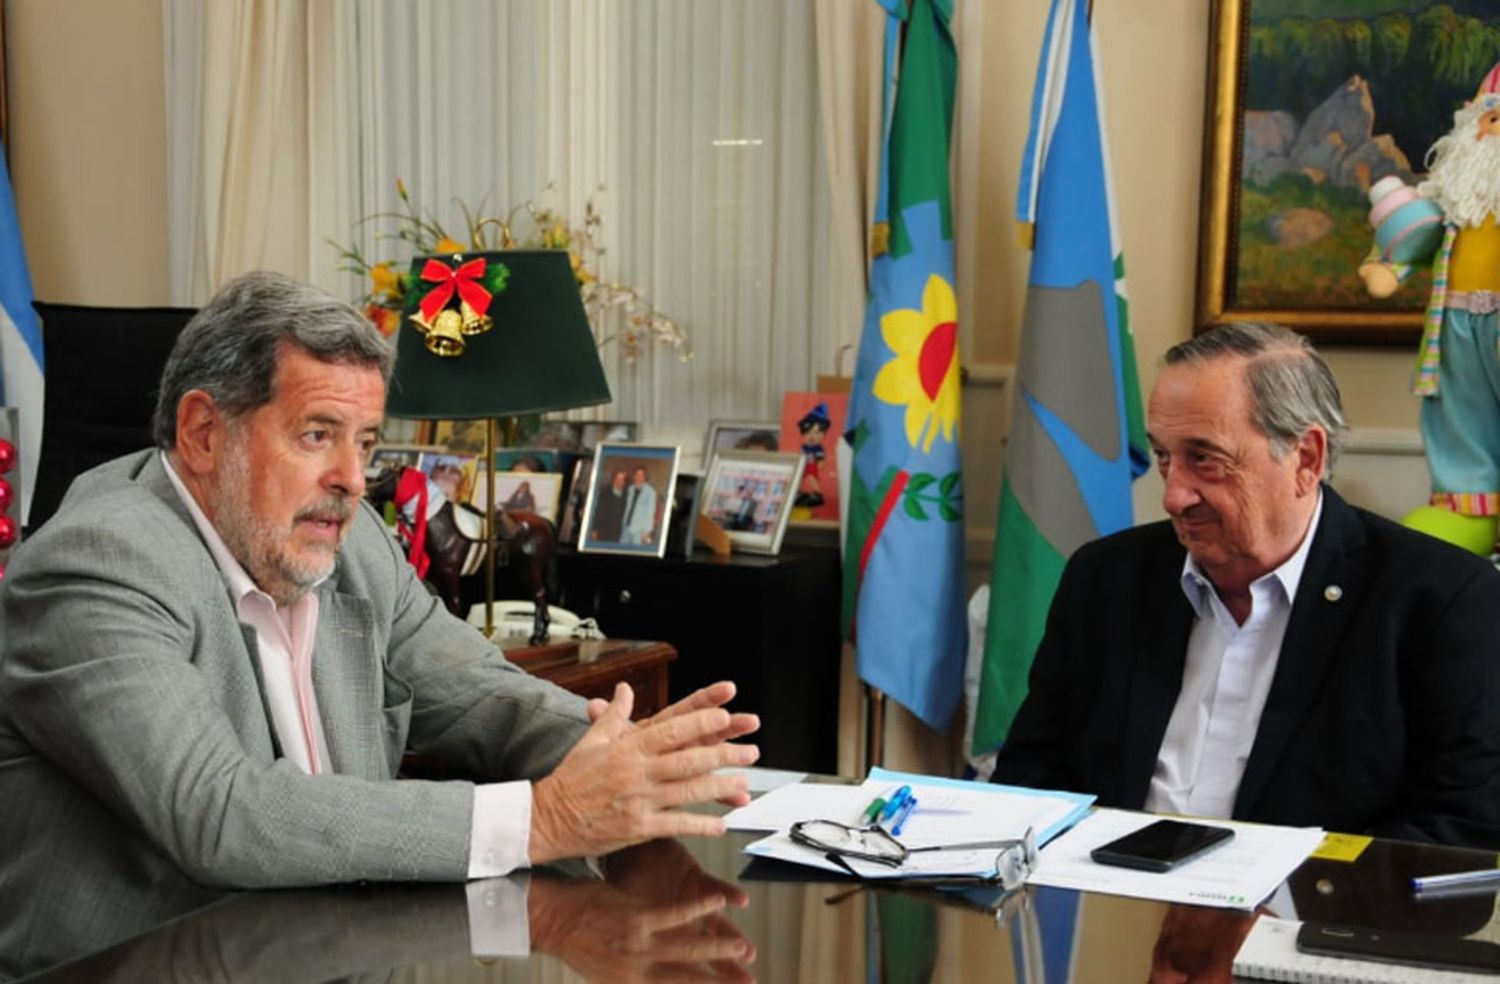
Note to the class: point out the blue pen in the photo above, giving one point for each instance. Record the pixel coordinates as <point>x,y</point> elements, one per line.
<point>895,802</point>
<point>907,810</point>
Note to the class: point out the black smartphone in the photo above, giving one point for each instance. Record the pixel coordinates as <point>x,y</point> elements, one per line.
<point>1430,950</point>
<point>1162,845</point>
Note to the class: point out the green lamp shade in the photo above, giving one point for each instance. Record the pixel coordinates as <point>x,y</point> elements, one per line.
<point>539,354</point>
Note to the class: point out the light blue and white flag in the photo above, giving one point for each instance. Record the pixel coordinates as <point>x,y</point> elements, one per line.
<point>20,340</point>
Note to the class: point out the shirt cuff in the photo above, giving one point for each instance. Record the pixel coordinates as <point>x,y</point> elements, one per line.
<point>498,922</point>
<point>501,829</point>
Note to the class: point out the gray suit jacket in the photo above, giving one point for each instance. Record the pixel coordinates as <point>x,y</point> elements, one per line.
<point>138,765</point>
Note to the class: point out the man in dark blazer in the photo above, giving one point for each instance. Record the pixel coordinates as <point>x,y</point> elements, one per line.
<point>609,511</point>
<point>1271,653</point>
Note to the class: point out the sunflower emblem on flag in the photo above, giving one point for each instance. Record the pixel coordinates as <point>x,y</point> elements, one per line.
<point>923,376</point>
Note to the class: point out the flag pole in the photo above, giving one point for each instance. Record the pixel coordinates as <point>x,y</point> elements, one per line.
<point>874,728</point>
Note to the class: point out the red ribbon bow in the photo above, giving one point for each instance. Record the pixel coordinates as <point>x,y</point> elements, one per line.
<point>464,279</point>
<point>413,485</point>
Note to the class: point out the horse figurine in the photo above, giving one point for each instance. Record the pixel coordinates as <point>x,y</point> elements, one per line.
<point>445,541</point>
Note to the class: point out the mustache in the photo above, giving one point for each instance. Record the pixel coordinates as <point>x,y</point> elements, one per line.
<point>336,508</point>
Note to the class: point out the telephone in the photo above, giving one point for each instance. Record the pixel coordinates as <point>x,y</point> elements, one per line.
<point>513,621</point>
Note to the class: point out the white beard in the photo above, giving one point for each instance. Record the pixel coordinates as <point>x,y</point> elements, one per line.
<point>1465,175</point>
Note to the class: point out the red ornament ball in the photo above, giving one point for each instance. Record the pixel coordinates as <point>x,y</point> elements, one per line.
<point>7,456</point>
<point>8,531</point>
<point>7,495</point>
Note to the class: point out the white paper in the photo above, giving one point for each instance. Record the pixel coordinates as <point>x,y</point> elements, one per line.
<point>947,813</point>
<point>1236,875</point>
<point>785,805</point>
<point>758,780</point>
<point>944,814</point>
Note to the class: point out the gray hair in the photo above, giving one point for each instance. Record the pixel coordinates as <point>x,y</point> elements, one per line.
<point>230,347</point>
<point>1291,387</point>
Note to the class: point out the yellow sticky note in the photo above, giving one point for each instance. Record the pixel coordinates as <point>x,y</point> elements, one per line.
<point>1342,847</point>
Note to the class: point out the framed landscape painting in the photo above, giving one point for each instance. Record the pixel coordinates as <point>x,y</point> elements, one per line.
<point>1311,102</point>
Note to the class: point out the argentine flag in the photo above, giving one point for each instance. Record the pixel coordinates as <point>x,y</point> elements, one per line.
<point>20,340</point>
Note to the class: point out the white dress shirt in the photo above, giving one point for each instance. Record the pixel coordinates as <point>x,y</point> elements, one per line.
<point>1225,681</point>
<point>500,829</point>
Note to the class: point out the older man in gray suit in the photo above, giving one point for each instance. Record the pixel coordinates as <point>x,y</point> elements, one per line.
<point>213,657</point>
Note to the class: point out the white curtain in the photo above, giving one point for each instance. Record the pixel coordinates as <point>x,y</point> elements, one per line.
<point>693,126</point>
<point>237,132</point>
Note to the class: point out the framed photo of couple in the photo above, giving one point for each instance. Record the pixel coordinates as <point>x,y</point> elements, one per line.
<point>629,499</point>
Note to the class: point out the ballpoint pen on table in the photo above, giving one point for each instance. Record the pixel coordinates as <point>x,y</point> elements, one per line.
<point>895,802</point>
<point>1485,878</point>
<point>907,809</point>
<point>879,805</point>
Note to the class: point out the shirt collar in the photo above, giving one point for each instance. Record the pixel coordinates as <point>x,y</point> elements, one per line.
<point>1197,587</point>
<point>240,583</point>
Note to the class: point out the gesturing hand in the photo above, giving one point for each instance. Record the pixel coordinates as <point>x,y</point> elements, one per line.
<point>713,695</point>
<point>622,783</point>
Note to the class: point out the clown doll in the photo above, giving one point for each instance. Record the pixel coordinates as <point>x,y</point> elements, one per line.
<point>1458,367</point>
<point>814,428</point>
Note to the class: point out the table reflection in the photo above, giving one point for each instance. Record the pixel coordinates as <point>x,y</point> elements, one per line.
<point>701,911</point>
<point>654,915</point>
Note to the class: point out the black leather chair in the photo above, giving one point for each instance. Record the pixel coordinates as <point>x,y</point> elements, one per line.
<point>103,368</point>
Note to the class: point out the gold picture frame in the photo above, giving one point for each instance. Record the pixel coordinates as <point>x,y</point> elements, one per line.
<point>1232,230</point>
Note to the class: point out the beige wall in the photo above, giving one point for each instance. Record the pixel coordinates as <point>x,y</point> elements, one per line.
<point>88,147</point>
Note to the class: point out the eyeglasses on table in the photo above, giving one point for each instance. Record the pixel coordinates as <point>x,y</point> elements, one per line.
<point>1014,858</point>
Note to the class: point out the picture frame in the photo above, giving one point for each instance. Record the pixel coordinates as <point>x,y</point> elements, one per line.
<point>576,496</point>
<point>740,435</point>
<point>613,520</point>
<point>595,432</point>
<point>682,529</point>
<point>750,495</point>
<point>560,435</point>
<point>387,456</point>
<point>455,436</point>
<point>1262,194</point>
<point>451,473</point>
<point>811,423</point>
<point>520,491</point>
<point>528,459</point>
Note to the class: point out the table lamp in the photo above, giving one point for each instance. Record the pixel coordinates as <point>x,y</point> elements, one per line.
<point>490,335</point>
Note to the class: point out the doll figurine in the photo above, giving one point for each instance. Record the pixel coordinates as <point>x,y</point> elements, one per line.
<point>1458,365</point>
<point>814,428</point>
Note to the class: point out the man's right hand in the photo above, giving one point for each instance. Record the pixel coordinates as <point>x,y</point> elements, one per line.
<point>622,783</point>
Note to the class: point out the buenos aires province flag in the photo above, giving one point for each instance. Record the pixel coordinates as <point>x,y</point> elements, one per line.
<point>903,558</point>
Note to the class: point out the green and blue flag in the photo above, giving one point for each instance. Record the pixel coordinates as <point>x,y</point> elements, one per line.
<point>903,559</point>
<point>1077,437</point>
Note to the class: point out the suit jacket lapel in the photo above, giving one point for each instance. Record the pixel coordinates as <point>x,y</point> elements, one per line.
<point>248,711</point>
<point>1317,623</point>
<point>1158,650</point>
<point>348,683</point>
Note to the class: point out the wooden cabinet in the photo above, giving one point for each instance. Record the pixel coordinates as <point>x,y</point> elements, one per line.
<point>591,668</point>
<point>770,624</point>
